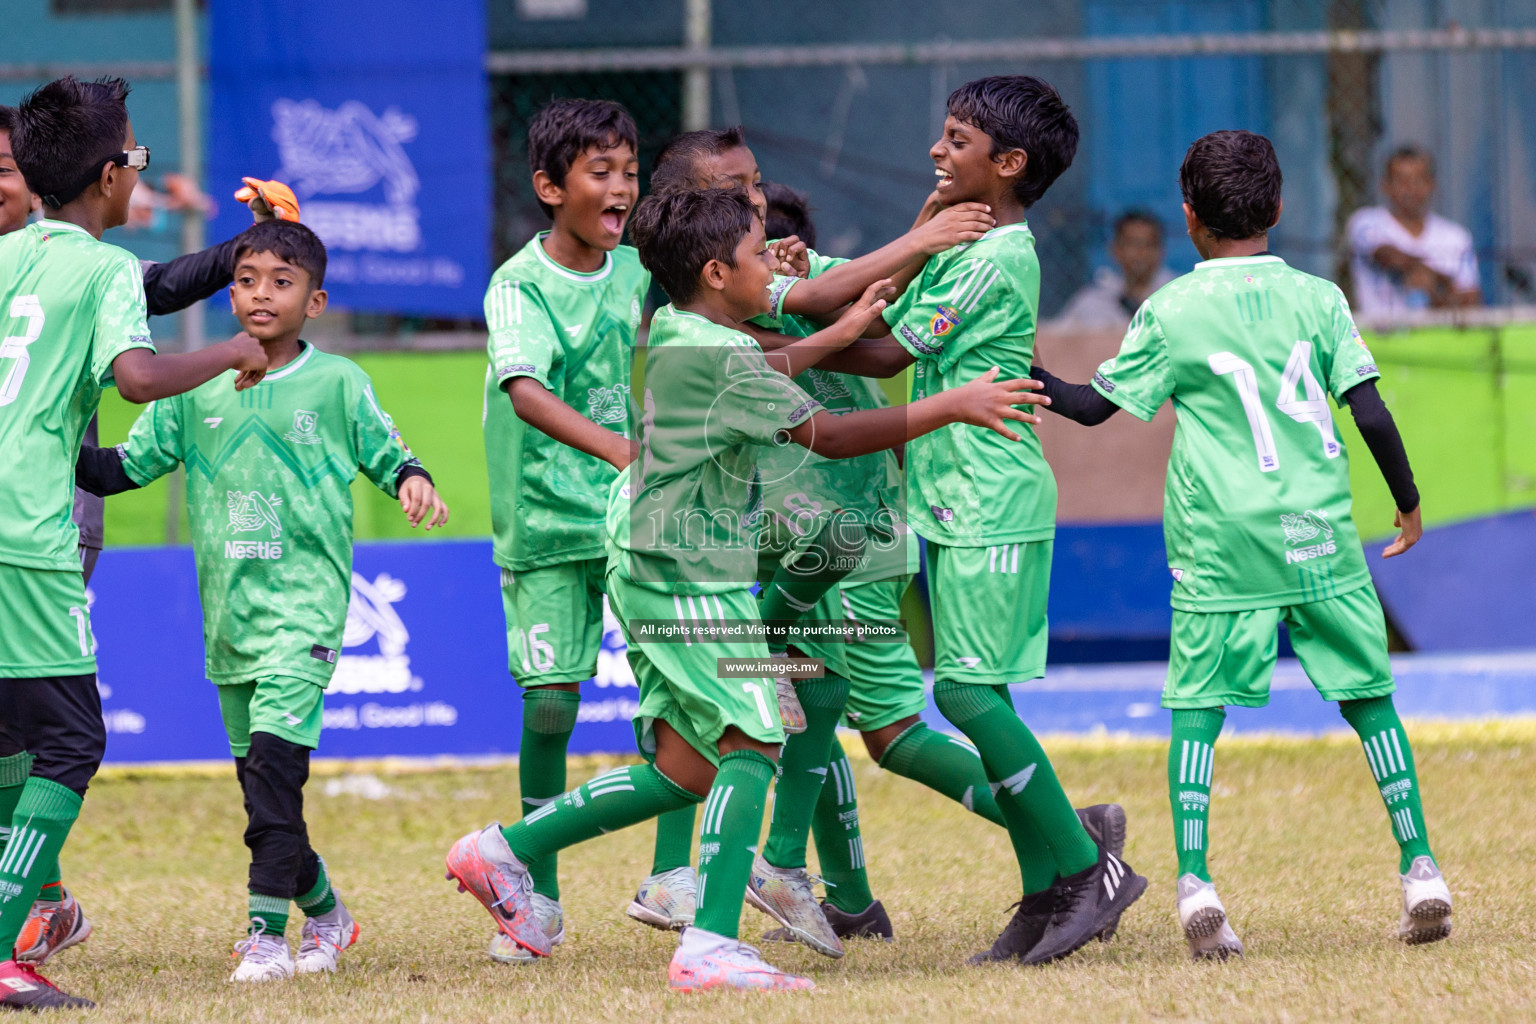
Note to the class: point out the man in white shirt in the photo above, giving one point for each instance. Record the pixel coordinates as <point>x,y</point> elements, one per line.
<point>1110,300</point>
<point>1404,256</point>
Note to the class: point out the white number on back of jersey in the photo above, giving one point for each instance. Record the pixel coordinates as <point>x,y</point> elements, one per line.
<point>1312,409</point>
<point>23,307</point>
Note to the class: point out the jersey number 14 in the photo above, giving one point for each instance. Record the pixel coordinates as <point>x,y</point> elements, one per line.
<point>1312,409</point>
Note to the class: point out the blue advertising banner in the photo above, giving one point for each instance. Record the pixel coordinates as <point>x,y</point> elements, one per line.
<point>375,114</point>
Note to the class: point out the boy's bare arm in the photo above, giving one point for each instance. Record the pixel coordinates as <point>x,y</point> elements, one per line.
<point>143,375</point>
<point>536,406</point>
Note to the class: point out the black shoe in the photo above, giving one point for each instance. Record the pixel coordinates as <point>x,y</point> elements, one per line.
<point>1105,824</point>
<point>1031,916</point>
<point>22,988</point>
<point>869,923</point>
<point>1086,904</point>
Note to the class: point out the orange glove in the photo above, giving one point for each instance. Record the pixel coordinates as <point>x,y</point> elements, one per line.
<point>269,199</point>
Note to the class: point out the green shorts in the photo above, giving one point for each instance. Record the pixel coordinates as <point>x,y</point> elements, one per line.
<point>554,621</point>
<point>887,680</point>
<point>1221,658</point>
<point>45,624</point>
<point>284,706</point>
<point>989,624</point>
<point>679,682</point>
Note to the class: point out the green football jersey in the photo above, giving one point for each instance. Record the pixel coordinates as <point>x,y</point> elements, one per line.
<point>1256,512</point>
<point>687,515</point>
<point>574,333</point>
<point>799,486</point>
<point>972,308</point>
<point>269,502</point>
<point>69,306</point>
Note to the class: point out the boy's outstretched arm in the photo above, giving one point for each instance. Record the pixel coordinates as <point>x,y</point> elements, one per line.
<point>793,356</point>
<point>99,471</point>
<point>538,407</point>
<point>1380,434</point>
<point>984,402</point>
<point>1077,402</point>
<point>863,357</point>
<point>143,375</point>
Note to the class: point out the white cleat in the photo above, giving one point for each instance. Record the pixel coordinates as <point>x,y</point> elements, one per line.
<point>263,957</point>
<point>1426,904</point>
<point>667,900</point>
<point>705,960</point>
<point>550,916</point>
<point>324,938</point>
<point>785,895</point>
<point>1204,921</point>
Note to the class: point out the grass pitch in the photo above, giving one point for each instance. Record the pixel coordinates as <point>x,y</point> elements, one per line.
<point>1301,853</point>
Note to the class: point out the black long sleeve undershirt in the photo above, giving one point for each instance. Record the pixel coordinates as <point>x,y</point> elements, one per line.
<point>1083,404</point>
<point>178,283</point>
<point>99,471</point>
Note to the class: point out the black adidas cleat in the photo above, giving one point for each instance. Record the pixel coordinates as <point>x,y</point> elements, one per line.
<point>1105,824</point>
<point>1085,904</point>
<point>22,988</point>
<point>1031,916</point>
<point>870,923</point>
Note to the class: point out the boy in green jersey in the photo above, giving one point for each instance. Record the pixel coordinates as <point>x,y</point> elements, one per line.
<point>1257,512</point>
<point>563,314</point>
<point>682,527</point>
<point>269,501</point>
<point>72,314</point>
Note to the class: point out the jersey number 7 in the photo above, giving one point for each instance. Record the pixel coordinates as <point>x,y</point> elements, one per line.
<point>1312,409</point>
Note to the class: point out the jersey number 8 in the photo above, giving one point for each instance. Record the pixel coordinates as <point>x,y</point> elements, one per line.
<point>23,307</point>
<point>1312,409</point>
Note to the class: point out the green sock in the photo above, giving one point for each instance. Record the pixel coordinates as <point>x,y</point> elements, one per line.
<point>1016,760</point>
<point>549,717</point>
<point>733,820</point>
<point>268,914</point>
<point>795,589</point>
<point>674,840</point>
<point>1037,862</point>
<point>44,814</point>
<point>13,776</point>
<point>618,799</point>
<point>839,846</point>
<point>945,765</point>
<point>802,770</point>
<point>1391,760</point>
<point>1191,754</point>
<point>321,898</point>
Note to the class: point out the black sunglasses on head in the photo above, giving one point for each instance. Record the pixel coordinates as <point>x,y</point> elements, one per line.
<point>137,158</point>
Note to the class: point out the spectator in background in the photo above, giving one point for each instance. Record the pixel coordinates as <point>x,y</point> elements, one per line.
<point>1404,256</point>
<point>1112,298</point>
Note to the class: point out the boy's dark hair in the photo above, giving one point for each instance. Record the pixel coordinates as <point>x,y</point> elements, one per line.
<point>567,128</point>
<point>676,162</point>
<point>1409,151</point>
<point>1137,215</point>
<point>678,231</point>
<point>7,118</point>
<point>1021,112</point>
<point>66,131</point>
<point>290,242</point>
<point>1231,179</point>
<point>789,213</point>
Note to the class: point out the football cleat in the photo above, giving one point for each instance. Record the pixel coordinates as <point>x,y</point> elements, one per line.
<point>667,900</point>
<point>1204,921</point>
<point>785,895</point>
<point>22,988</point>
<point>705,960</point>
<point>790,711</point>
<point>1087,903</point>
<point>484,866</point>
<point>870,923</point>
<point>551,918</point>
<point>323,939</point>
<point>263,957</point>
<point>1105,825</point>
<point>1023,931</point>
<point>1426,904</point>
<point>51,927</point>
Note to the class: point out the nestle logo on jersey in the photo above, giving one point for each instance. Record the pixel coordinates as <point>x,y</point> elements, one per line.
<point>252,549</point>
<point>1305,526</point>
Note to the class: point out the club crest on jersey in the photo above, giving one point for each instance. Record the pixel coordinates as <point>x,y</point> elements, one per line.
<point>608,405</point>
<point>252,511</point>
<point>945,319</point>
<point>304,424</point>
<point>1301,527</point>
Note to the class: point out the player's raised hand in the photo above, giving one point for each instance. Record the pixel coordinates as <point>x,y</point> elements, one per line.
<point>418,498</point>
<point>790,257</point>
<point>268,200</point>
<point>1412,526</point>
<point>990,403</point>
<point>955,225</point>
<point>250,358</point>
